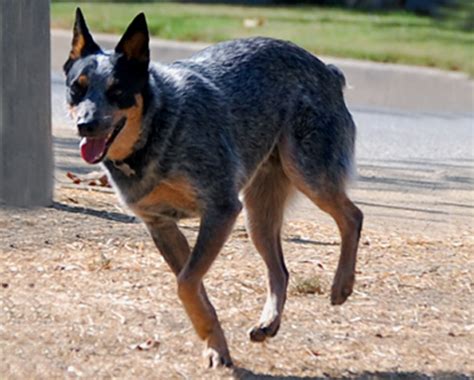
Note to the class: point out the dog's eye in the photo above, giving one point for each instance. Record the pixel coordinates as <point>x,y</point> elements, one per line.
<point>115,94</point>
<point>120,97</point>
<point>78,91</point>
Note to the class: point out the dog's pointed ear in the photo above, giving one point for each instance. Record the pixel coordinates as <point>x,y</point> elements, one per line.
<point>134,44</point>
<point>82,42</point>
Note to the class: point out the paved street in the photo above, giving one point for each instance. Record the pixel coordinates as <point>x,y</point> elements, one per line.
<point>412,166</point>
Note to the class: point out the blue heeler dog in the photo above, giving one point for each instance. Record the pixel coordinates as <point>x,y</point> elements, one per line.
<point>257,117</point>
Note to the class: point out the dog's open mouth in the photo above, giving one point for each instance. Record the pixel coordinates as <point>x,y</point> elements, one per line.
<point>94,149</point>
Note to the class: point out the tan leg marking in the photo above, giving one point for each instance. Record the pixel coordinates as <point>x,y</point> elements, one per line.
<point>349,221</point>
<point>213,232</point>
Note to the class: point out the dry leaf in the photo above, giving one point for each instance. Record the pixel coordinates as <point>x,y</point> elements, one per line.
<point>146,345</point>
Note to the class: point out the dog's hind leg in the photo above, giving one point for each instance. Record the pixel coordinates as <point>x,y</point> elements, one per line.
<point>175,250</point>
<point>264,200</point>
<point>322,180</point>
<point>349,221</point>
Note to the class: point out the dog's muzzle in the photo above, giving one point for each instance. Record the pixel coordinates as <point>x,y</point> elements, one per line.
<point>94,148</point>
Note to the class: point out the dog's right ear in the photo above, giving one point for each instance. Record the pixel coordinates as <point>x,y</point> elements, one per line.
<point>134,44</point>
<point>82,42</point>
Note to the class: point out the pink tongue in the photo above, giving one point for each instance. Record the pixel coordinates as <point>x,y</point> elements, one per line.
<point>92,150</point>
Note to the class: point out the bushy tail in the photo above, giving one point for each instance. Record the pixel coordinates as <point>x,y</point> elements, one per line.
<point>337,72</point>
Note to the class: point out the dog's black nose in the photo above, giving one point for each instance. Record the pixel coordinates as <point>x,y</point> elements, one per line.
<point>88,128</point>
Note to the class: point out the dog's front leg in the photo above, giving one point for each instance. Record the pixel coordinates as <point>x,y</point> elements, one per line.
<point>214,230</point>
<point>170,241</point>
<point>174,248</point>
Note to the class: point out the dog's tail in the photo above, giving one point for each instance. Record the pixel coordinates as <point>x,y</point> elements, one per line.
<point>337,72</point>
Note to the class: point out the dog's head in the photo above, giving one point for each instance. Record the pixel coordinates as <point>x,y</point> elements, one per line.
<point>105,90</point>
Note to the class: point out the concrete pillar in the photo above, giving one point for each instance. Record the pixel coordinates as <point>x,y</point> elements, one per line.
<point>26,158</point>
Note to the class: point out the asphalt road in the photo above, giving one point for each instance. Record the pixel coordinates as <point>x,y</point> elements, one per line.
<point>411,165</point>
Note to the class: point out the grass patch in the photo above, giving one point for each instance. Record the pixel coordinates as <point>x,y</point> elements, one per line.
<point>307,285</point>
<point>396,37</point>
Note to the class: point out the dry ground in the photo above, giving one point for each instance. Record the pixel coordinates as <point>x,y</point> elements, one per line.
<point>81,285</point>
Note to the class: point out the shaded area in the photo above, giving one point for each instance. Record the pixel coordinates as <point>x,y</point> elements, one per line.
<point>245,374</point>
<point>115,216</point>
<point>401,208</point>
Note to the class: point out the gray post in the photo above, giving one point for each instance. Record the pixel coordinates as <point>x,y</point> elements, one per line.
<point>26,158</point>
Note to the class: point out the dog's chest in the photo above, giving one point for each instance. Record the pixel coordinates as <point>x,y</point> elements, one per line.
<point>150,195</point>
<point>173,197</point>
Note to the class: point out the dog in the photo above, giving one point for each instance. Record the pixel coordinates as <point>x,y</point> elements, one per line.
<point>251,118</point>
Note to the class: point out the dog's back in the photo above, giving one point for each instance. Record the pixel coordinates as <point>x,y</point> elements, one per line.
<point>259,93</point>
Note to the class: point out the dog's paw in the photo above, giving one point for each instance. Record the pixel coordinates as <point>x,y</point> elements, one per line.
<point>342,288</point>
<point>261,332</point>
<point>214,359</point>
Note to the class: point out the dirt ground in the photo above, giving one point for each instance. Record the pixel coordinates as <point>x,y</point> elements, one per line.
<point>85,294</point>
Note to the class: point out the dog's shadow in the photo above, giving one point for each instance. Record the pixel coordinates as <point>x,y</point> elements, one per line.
<point>240,373</point>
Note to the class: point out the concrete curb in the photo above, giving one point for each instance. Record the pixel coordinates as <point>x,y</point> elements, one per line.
<point>374,85</point>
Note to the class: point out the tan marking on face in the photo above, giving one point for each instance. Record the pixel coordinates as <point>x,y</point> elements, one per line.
<point>83,80</point>
<point>133,46</point>
<point>78,45</point>
<point>123,144</point>
<point>177,193</point>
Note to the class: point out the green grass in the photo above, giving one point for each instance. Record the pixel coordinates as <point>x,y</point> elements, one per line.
<point>396,37</point>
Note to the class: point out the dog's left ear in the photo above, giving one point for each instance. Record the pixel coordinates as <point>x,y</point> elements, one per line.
<point>134,44</point>
<point>82,42</point>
